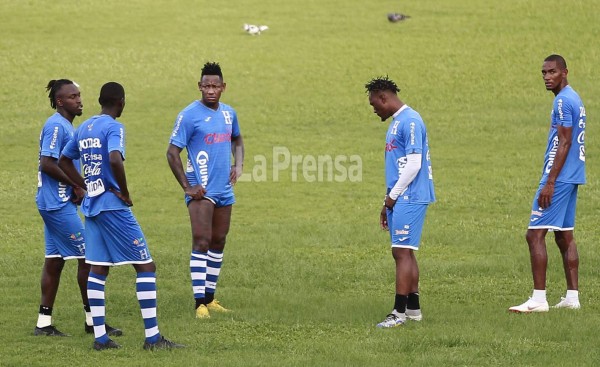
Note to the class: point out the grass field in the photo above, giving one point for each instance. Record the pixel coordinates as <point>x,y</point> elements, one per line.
<point>307,270</point>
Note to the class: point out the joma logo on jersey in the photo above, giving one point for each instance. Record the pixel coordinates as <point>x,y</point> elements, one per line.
<point>89,143</point>
<point>227,116</point>
<point>202,162</point>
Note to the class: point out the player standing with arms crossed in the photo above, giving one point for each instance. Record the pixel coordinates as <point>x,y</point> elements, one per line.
<point>209,131</point>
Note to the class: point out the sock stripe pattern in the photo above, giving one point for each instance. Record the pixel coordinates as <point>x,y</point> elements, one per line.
<point>198,262</point>
<point>145,288</point>
<point>95,292</point>
<point>213,269</point>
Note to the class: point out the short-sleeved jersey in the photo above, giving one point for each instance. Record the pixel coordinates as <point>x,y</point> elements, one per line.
<point>206,135</point>
<point>567,111</point>
<point>407,135</point>
<point>56,133</point>
<point>93,141</point>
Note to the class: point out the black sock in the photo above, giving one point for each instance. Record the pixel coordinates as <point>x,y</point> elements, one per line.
<point>413,301</point>
<point>200,301</point>
<point>209,297</point>
<point>45,310</point>
<point>86,308</point>
<point>400,303</point>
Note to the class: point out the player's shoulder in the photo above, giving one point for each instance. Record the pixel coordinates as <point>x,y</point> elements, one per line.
<point>56,120</point>
<point>226,107</point>
<point>568,95</point>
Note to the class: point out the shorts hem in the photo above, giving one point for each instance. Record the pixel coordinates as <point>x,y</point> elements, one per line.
<point>411,247</point>
<point>106,263</point>
<point>552,228</point>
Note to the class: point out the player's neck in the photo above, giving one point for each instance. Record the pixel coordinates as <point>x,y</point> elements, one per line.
<point>69,117</point>
<point>560,88</point>
<point>213,106</point>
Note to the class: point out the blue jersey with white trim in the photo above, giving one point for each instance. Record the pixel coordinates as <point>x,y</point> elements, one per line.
<point>206,135</point>
<point>94,140</point>
<point>56,133</point>
<point>407,135</point>
<point>567,111</point>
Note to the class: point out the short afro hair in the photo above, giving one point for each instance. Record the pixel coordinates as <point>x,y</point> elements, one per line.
<point>382,83</point>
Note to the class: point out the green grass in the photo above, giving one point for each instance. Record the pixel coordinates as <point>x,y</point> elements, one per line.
<point>307,270</point>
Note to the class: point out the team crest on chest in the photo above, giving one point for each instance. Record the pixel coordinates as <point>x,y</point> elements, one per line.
<point>227,117</point>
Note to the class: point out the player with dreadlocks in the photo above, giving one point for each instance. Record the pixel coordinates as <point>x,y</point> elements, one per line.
<point>57,198</point>
<point>410,190</point>
<point>209,131</point>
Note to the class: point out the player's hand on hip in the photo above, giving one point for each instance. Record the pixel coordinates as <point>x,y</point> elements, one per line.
<point>126,199</point>
<point>383,219</point>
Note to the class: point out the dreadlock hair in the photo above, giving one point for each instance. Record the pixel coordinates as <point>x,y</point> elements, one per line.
<point>110,94</point>
<point>211,68</point>
<point>53,87</point>
<point>560,61</point>
<point>382,83</point>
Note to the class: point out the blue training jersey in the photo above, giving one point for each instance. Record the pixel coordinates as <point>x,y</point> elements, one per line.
<point>53,194</point>
<point>407,135</point>
<point>206,134</point>
<point>567,111</point>
<point>94,140</point>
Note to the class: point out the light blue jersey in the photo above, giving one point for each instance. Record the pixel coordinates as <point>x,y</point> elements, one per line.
<point>206,134</point>
<point>56,133</point>
<point>567,111</point>
<point>93,141</point>
<point>407,135</point>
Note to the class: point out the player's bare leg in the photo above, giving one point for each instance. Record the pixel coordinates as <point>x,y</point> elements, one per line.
<point>570,256</point>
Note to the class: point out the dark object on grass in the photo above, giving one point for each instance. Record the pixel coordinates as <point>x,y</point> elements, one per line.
<point>397,17</point>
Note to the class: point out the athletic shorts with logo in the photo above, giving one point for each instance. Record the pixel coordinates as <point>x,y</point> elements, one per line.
<point>114,237</point>
<point>405,223</point>
<point>560,215</point>
<point>64,233</point>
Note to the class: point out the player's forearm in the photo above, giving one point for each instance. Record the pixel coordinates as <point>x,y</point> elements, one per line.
<point>237,148</point>
<point>118,170</point>
<point>409,172</point>
<point>174,160</point>
<point>49,166</point>
<point>66,166</point>
<point>559,161</point>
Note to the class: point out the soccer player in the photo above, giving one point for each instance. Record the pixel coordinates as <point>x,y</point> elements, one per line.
<point>57,198</point>
<point>209,130</point>
<point>409,191</point>
<point>113,234</point>
<point>555,201</point>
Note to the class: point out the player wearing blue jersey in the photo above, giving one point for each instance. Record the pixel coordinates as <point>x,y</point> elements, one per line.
<point>555,201</point>
<point>113,235</point>
<point>209,131</point>
<point>56,200</point>
<point>409,183</point>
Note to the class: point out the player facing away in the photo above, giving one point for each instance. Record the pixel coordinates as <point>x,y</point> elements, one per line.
<point>113,235</point>
<point>209,131</point>
<point>57,198</point>
<point>409,183</point>
<point>555,201</point>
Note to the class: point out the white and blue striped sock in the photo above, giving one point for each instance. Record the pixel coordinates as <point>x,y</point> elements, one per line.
<point>198,273</point>
<point>145,287</point>
<point>95,292</point>
<point>213,269</point>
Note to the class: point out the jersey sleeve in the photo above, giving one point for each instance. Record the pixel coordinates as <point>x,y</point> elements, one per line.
<point>412,136</point>
<point>182,131</point>
<point>115,138</point>
<point>564,111</point>
<point>235,128</point>
<point>52,137</point>
<point>71,150</point>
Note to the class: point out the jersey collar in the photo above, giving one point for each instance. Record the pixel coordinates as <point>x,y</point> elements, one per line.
<point>399,111</point>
